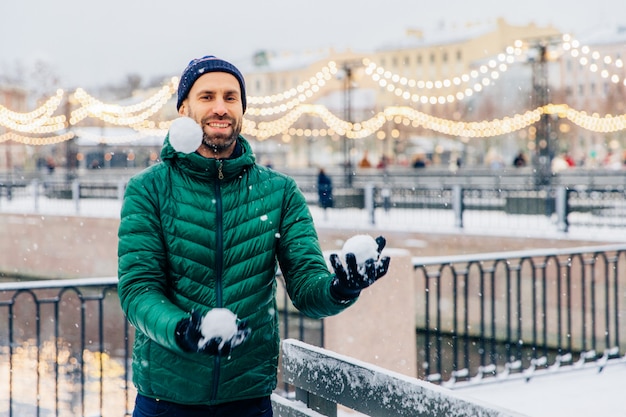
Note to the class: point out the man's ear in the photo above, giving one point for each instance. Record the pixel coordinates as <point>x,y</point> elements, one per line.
<point>182,111</point>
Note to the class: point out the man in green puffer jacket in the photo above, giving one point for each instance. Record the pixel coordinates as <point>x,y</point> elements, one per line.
<point>200,239</point>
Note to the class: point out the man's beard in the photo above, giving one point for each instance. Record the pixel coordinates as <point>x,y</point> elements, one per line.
<point>217,143</point>
<point>220,143</point>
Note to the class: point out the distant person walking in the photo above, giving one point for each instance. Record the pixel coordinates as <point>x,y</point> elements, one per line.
<point>520,160</point>
<point>324,190</point>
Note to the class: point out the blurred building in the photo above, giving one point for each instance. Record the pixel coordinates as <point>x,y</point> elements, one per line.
<point>426,68</point>
<point>12,153</point>
<point>589,76</point>
<point>300,103</point>
<point>102,145</point>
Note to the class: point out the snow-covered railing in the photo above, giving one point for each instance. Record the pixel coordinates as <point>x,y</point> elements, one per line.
<point>458,202</point>
<point>324,379</point>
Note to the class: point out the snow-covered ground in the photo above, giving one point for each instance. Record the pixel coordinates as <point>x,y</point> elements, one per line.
<point>575,391</point>
<point>436,221</point>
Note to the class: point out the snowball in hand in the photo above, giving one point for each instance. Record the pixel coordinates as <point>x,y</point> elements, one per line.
<point>218,323</point>
<point>363,247</point>
<point>185,135</point>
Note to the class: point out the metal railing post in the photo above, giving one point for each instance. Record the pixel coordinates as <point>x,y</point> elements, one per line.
<point>457,205</point>
<point>562,209</point>
<point>121,187</point>
<point>35,185</point>
<point>76,195</point>
<point>369,202</point>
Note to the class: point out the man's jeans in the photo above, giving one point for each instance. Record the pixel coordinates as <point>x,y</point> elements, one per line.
<point>149,407</point>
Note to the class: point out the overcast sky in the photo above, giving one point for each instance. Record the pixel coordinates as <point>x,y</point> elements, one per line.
<point>89,43</point>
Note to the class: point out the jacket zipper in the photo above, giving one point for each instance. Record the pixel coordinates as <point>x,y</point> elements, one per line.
<point>219,235</point>
<point>219,264</point>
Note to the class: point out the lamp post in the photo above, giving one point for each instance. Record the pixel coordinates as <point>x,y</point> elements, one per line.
<point>348,75</point>
<point>543,145</point>
<point>70,152</point>
<point>544,141</point>
<point>347,108</point>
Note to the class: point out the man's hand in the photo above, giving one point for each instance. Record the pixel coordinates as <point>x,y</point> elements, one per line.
<point>349,281</point>
<point>220,337</point>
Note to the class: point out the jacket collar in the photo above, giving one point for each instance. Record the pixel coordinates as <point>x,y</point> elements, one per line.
<point>205,168</point>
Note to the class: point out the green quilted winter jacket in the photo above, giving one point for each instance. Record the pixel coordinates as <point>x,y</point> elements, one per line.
<point>199,233</point>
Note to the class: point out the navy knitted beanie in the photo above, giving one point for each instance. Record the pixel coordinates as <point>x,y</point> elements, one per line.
<point>201,66</point>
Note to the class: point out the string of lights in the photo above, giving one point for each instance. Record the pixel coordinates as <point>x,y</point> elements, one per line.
<point>486,74</point>
<point>293,104</point>
<point>44,111</point>
<point>584,53</point>
<point>398,115</point>
<point>37,141</point>
<point>407,115</point>
<point>38,121</point>
<point>122,115</point>
<point>400,86</point>
<point>87,101</point>
<point>295,95</point>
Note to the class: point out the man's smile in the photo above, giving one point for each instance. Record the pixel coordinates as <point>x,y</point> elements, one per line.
<point>218,125</point>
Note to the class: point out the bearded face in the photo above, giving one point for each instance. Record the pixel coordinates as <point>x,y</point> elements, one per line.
<point>219,133</point>
<point>214,102</point>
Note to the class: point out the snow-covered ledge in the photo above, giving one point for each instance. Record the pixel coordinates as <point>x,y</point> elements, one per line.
<point>324,379</point>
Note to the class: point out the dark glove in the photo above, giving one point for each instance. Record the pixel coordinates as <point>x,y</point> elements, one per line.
<point>347,285</point>
<point>189,334</point>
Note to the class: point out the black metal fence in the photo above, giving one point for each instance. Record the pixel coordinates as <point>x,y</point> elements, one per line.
<point>501,313</point>
<point>65,347</point>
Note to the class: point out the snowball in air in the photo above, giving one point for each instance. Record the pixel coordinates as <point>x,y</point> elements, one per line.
<point>185,135</point>
<point>218,323</point>
<point>363,247</point>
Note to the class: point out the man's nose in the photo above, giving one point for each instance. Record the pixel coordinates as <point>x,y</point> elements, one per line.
<point>220,107</point>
